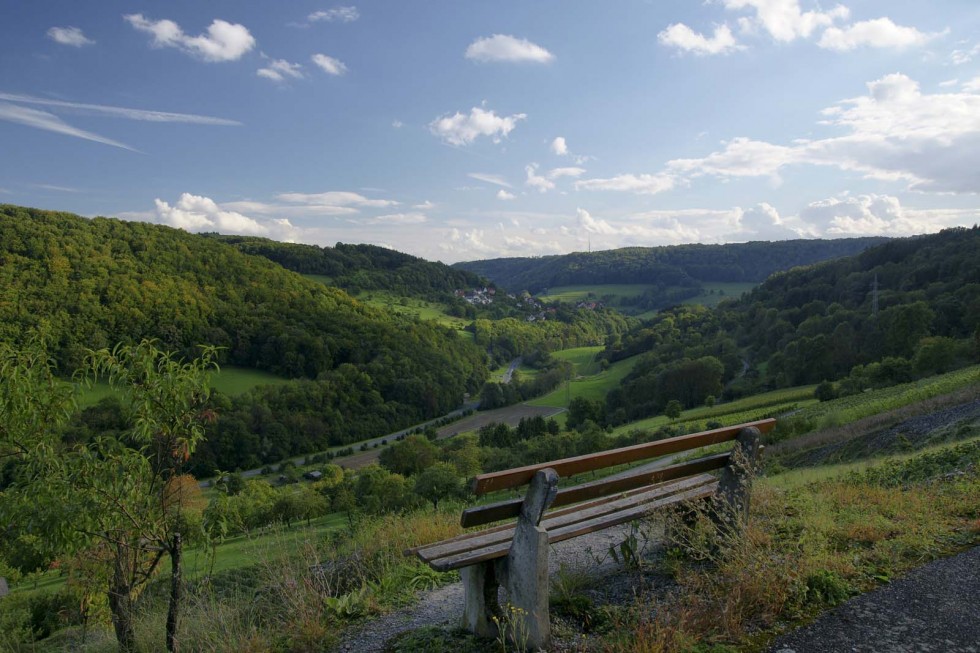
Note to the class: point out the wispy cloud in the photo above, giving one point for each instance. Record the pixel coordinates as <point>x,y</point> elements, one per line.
<point>490,179</point>
<point>335,15</point>
<point>120,112</point>
<point>279,69</point>
<point>223,41</point>
<point>684,38</point>
<point>502,47</point>
<point>329,65</point>
<point>72,36</point>
<point>50,122</point>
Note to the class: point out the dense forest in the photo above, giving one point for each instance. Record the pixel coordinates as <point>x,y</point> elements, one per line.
<point>684,266</point>
<point>87,284</point>
<point>357,268</point>
<point>814,324</point>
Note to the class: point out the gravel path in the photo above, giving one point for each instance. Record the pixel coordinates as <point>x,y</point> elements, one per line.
<point>444,606</point>
<point>934,609</point>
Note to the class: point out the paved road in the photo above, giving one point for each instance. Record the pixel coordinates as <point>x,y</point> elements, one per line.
<point>509,374</point>
<point>934,609</point>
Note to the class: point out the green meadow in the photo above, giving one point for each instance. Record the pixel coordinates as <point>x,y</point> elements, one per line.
<point>229,380</point>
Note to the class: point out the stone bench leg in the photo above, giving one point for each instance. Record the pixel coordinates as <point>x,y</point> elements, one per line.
<point>480,586</point>
<point>735,486</point>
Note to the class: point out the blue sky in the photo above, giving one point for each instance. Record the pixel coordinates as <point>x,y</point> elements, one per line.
<point>462,130</point>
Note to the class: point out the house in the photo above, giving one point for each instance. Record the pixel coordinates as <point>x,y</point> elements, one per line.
<point>313,476</point>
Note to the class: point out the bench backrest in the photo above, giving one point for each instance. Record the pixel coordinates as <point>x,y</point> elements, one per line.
<point>566,467</point>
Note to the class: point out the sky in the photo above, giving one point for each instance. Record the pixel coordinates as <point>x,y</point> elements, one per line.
<point>460,130</point>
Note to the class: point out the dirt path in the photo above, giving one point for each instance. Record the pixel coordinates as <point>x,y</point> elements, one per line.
<point>932,609</point>
<point>444,606</point>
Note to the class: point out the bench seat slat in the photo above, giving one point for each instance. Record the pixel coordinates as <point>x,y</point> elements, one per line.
<point>500,549</point>
<point>628,481</point>
<point>570,466</point>
<point>557,518</point>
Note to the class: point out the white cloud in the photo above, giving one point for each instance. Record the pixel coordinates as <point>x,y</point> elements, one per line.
<point>72,36</point>
<point>504,195</point>
<point>335,15</point>
<point>534,180</point>
<point>894,133</point>
<point>684,38</point>
<point>424,206</point>
<point>329,65</point>
<point>462,129</point>
<point>334,198</point>
<point>878,33</point>
<point>397,124</point>
<point>559,146</point>
<point>784,20</point>
<point>198,213</point>
<point>501,47</point>
<point>972,85</point>
<point>880,215</point>
<point>224,41</point>
<point>490,179</point>
<point>119,112</point>
<point>50,122</point>
<point>400,218</point>
<point>640,184</point>
<point>649,230</point>
<point>962,56</point>
<point>279,69</point>
<point>556,173</point>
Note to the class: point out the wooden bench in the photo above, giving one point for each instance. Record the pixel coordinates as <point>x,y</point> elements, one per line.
<point>515,555</point>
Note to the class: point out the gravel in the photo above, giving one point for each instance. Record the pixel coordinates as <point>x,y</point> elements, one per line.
<point>444,606</point>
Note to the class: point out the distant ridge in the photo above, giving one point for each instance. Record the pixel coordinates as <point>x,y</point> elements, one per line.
<point>675,265</point>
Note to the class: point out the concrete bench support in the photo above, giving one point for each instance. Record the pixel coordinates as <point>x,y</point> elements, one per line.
<point>523,574</point>
<point>735,486</point>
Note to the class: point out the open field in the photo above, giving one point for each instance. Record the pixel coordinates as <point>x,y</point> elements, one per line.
<point>572,294</point>
<point>714,292</point>
<point>229,380</point>
<point>593,386</point>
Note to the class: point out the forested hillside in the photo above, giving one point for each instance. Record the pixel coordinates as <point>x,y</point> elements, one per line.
<point>679,265</point>
<point>87,284</point>
<point>813,324</point>
<point>361,267</point>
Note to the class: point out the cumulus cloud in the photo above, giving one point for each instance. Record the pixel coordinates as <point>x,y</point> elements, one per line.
<point>784,20</point>
<point>223,41</point>
<point>198,213</point>
<point>463,129</point>
<point>878,33</point>
<point>279,69</point>
<point>894,133</point>
<point>684,38</point>
<point>879,215</point>
<point>504,195</point>
<point>328,64</point>
<point>973,85</point>
<point>72,36</point>
<point>961,56</point>
<point>335,15</point>
<point>502,47</point>
<point>534,180</point>
<point>559,146</point>
<point>640,184</point>
<point>649,230</point>
<point>497,180</point>
<point>49,122</point>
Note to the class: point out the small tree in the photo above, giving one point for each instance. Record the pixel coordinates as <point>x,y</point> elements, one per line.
<point>438,482</point>
<point>673,409</point>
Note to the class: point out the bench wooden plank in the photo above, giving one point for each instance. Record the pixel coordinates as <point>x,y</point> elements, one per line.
<point>500,549</point>
<point>636,479</point>
<point>570,466</point>
<point>559,518</point>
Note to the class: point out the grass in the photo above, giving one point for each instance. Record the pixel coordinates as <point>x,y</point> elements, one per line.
<point>230,380</point>
<point>594,386</point>
<point>574,294</point>
<point>714,292</point>
<point>746,409</point>
<point>850,409</point>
